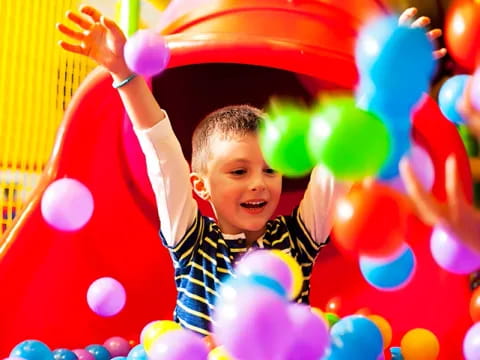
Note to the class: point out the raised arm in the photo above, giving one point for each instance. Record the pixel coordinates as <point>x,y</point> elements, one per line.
<point>102,40</point>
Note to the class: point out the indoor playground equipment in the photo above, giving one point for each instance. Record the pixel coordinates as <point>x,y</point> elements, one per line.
<point>230,51</point>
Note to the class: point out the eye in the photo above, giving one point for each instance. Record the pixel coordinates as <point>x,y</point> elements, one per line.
<point>238,172</point>
<point>270,171</point>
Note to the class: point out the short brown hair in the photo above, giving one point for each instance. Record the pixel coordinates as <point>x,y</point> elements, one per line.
<point>227,122</point>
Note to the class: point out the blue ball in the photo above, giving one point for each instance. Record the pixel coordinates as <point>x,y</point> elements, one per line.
<point>32,350</point>
<point>355,337</point>
<point>400,146</point>
<point>448,97</point>
<point>389,274</point>
<point>395,58</point>
<point>100,352</point>
<point>64,354</point>
<point>396,353</point>
<point>137,353</point>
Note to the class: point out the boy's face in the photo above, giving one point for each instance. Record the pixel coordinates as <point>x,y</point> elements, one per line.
<point>243,190</point>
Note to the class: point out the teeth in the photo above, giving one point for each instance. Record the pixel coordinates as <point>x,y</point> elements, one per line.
<point>255,202</point>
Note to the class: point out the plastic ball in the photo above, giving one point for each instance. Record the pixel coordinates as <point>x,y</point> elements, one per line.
<point>179,345</point>
<point>420,344</point>
<point>64,354</point>
<point>351,150</point>
<point>390,274</point>
<point>117,346</point>
<point>462,32</point>
<point>83,354</point>
<point>137,353</point>
<point>475,305</point>
<point>384,327</point>
<point>449,95</point>
<point>253,325</point>
<point>154,330</point>
<point>475,90</point>
<point>397,59</point>
<point>99,352</point>
<point>355,232</point>
<point>471,343</point>
<point>219,353</point>
<point>147,53</point>
<point>106,296</point>
<point>355,337</point>
<point>67,204</point>
<point>331,318</point>
<point>283,139</point>
<point>451,255</point>
<point>32,350</point>
<point>276,265</point>
<point>310,336</point>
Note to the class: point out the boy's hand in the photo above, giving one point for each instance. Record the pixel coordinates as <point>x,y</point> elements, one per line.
<point>407,18</point>
<point>100,39</point>
<point>457,215</point>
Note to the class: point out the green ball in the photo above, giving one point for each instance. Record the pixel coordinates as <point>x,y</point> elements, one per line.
<point>283,136</point>
<point>352,143</point>
<point>331,318</point>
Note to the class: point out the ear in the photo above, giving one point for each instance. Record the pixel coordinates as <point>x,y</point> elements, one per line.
<point>199,186</point>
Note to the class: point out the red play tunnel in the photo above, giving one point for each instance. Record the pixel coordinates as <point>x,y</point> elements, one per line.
<point>240,51</point>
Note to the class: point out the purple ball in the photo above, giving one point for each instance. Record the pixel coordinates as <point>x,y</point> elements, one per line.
<point>451,255</point>
<point>67,204</point>
<point>106,296</point>
<point>475,90</point>
<point>471,343</point>
<point>146,53</point>
<point>117,346</point>
<point>83,354</point>
<point>179,345</point>
<point>254,325</point>
<point>310,335</point>
<point>264,262</point>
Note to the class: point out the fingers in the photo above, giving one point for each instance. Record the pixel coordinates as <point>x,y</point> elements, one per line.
<point>453,187</point>
<point>426,205</point>
<point>79,20</point>
<point>440,53</point>
<point>434,34</point>
<point>72,48</point>
<point>112,27</point>
<point>92,12</point>
<point>422,21</point>
<point>407,16</point>
<point>70,33</point>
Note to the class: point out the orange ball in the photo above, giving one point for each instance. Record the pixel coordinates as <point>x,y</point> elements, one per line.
<point>420,344</point>
<point>475,305</point>
<point>384,327</point>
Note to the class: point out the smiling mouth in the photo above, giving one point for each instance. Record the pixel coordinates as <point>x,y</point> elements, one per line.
<point>254,204</point>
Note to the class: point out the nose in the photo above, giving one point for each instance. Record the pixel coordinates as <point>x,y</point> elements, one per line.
<point>258,183</point>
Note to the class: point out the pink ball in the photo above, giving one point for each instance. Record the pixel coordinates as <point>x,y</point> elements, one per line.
<point>117,346</point>
<point>67,204</point>
<point>146,53</point>
<point>106,296</point>
<point>83,354</point>
<point>475,90</point>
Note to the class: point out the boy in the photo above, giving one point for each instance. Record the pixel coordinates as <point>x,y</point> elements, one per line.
<point>228,171</point>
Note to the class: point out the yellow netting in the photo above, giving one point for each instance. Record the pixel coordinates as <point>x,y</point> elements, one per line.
<point>37,81</point>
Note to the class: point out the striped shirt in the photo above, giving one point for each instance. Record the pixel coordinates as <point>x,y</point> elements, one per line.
<point>204,257</point>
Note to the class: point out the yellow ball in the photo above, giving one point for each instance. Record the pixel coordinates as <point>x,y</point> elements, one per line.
<point>154,330</point>
<point>384,327</point>
<point>420,344</point>
<point>219,353</point>
<point>296,271</point>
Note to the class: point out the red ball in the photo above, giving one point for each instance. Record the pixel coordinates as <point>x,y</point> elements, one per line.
<point>475,305</point>
<point>462,33</point>
<point>371,220</point>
